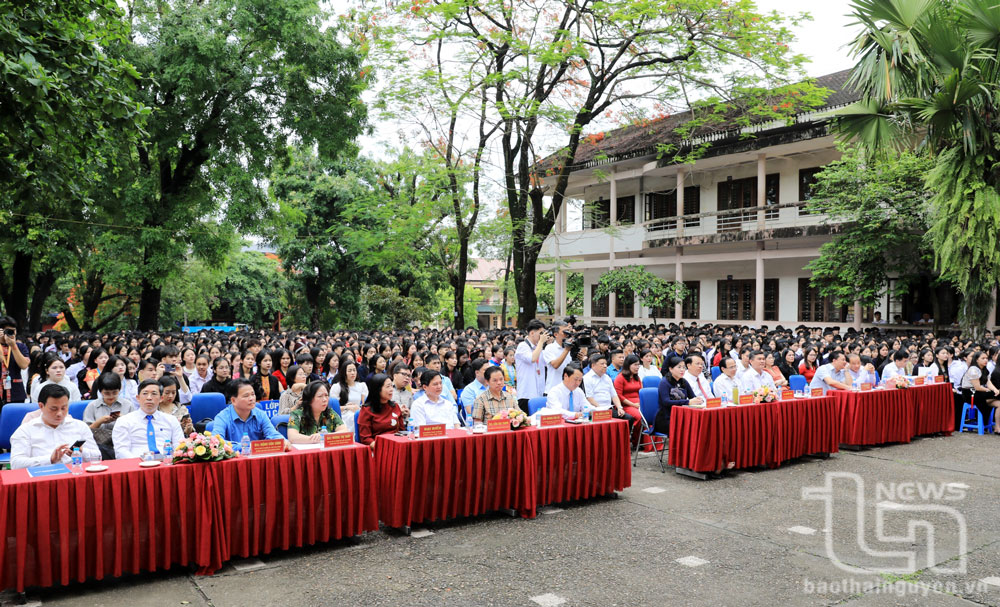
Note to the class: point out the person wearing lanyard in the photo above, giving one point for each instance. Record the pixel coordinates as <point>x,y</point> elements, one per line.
<point>10,348</point>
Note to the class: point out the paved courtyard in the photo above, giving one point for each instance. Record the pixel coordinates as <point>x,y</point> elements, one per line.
<point>746,539</point>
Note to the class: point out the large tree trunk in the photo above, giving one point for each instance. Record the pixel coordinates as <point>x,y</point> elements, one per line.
<point>506,278</point>
<point>459,282</point>
<point>70,319</point>
<point>312,298</point>
<point>149,307</point>
<point>16,300</point>
<point>43,287</point>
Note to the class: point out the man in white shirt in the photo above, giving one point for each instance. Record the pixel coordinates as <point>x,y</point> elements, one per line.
<point>145,429</point>
<point>556,355</point>
<point>432,408</point>
<point>863,374</point>
<point>695,376</point>
<point>831,375</point>
<point>566,397</point>
<point>726,383</point>
<point>600,389</point>
<point>755,376</point>
<point>897,366</point>
<point>529,364</point>
<point>49,438</point>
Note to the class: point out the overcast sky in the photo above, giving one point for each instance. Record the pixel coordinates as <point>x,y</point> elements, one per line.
<point>826,38</point>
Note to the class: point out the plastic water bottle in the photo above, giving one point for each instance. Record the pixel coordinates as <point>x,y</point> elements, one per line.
<point>245,444</point>
<point>168,451</point>
<point>855,385</point>
<point>724,399</point>
<point>77,461</point>
<point>586,413</point>
<point>322,435</point>
<point>409,426</point>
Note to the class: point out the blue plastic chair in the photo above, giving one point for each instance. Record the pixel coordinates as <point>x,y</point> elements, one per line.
<point>535,404</point>
<point>10,418</point>
<point>649,404</point>
<point>878,380</point>
<point>357,432</point>
<point>651,382</point>
<point>77,408</point>
<point>204,407</point>
<point>797,382</point>
<point>716,372</point>
<point>280,423</point>
<point>975,422</point>
<point>335,405</point>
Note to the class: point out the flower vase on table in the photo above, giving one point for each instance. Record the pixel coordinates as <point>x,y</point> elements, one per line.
<point>764,394</point>
<point>205,447</point>
<point>518,419</point>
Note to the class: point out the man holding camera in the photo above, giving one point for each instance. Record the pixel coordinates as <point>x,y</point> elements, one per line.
<point>10,374</point>
<point>557,354</point>
<point>529,365</point>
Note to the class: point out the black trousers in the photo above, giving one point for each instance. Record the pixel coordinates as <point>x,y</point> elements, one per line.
<point>522,404</point>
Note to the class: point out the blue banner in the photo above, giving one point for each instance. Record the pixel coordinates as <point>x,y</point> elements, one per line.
<point>269,407</point>
<point>51,470</point>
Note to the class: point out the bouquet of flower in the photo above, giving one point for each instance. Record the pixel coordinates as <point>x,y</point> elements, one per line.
<point>518,419</point>
<point>205,447</point>
<point>764,394</point>
<point>898,381</point>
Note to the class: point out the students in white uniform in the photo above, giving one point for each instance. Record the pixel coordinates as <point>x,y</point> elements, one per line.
<point>529,364</point>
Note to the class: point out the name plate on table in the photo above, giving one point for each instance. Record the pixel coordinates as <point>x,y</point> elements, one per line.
<point>498,425</point>
<point>50,470</point>
<point>939,379</point>
<point>865,387</point>
<point>787,395</point>
<point>918,381</point>
<point>431,430</point>
<point>713,403</point>
<point>746,399</point>
<point>267,446</point>
<point>338,439</point>
<point>816,392</point>
<point>550,420</point>
<point>601,416</point>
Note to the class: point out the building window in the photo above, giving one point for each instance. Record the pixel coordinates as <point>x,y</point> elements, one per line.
<point>626,210</point>
<point>813,307</point>
<point>625,304</point>
<point>596,214</point>
<point>735,194</point>
<point>598,305</point>
<point>737,299</point>
<point>807,182</point>
<point>690,307</point>
<point>663,206</point>
<point>692,206</point>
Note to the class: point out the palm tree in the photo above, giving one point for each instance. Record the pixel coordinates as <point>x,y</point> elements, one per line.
<point>928,73</point>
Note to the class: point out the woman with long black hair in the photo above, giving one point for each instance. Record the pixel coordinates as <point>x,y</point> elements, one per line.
<point>379,415</point>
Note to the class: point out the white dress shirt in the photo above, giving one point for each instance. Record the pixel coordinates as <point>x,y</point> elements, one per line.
<point>652,371</point>
<point>956,371</point>
<point>553,375</point>
<point>129,435</point>
<point>751,380</point>
<point>197,382</point>
<point>828,371</point>
<point>530,375</point>
<point>74,391</point>
<point>725,385</point>
<point>891,370</point>
<point>425,411</point>
<point>33,442</point>
<point>599,387</point>
<point>561,400</point>
<point>699,385</point>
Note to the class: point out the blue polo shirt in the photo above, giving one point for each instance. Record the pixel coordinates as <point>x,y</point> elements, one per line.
<point>229,425</point>
<point>470,392</point>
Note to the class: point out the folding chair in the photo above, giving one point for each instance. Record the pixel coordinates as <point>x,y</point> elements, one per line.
<point>649,404</point>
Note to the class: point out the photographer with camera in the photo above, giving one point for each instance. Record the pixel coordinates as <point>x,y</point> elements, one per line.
<point>10,374</point>
<point>529,365</point>
<point>557,353</point>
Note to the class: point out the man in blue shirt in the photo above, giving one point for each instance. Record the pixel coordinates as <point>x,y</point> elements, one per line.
<point>617,359</point>
<point>477,387</point>
<point>242,416</point>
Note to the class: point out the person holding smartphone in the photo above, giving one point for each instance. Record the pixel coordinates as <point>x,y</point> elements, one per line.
<point>50,437</point>
<point>13,358</point>
<point>102,413</point>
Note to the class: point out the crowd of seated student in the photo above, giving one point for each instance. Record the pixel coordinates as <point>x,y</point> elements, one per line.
<point>424,370</point>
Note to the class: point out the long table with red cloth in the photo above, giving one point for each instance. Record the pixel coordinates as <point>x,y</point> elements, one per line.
<point>745,436</point>
<point>128,519</point>
<point>464,475</point>
<point>881,416</point>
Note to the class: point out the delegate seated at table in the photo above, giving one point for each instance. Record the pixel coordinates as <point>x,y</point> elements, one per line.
<point>243,417</point>
<point>313,415</point>
<point>566,398</point>
<point>673,392</point>
<point>379,415</point>
<point>897,366</point>
<point>146,428</point>
<point>726,384</point>
<point>432,407</point>
<point>755,377</point>
<point>48,439</point>
<point>857,370</point>
<point>494,399</point>
<point>831,375</point>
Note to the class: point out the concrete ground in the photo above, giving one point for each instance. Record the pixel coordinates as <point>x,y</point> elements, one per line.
<point>748,538</point>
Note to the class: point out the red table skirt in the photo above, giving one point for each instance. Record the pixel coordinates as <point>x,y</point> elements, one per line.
<point>708,440</point>
<point>579,462</point>
<point>463,475</point>
<point>894,416</point>
<point>296,499</point>
<point>128,520</point>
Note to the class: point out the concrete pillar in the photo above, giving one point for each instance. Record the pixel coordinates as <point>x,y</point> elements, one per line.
<point>857,315</point>
<point>612,299</point>
<point>761,189</point>
<point>759,286</point>
<point>679,277</point>
<point>681,174</point>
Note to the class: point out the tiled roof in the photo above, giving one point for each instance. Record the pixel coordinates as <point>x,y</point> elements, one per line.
<point>641,140</point>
